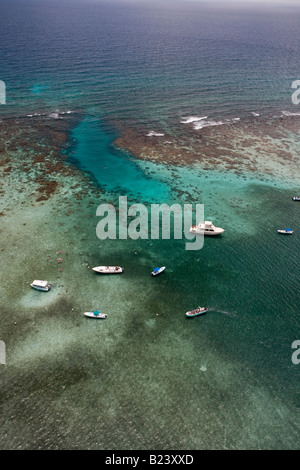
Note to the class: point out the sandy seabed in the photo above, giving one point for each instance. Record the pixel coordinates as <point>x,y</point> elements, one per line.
<point>67,373</point>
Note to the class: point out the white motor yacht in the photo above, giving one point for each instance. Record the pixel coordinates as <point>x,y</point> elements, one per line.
<point>206,228</point>
<point>41,285</point>
<point>108,269</point>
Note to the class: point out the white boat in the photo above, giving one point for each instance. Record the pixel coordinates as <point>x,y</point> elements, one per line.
<point>108,269</point>
<point>41,285</point>
<point>157,271</point>
<point>196,312</point>
<point>296,198</point>
<point>95,314</point>
<point>286,231</point>
<point>206,228</point>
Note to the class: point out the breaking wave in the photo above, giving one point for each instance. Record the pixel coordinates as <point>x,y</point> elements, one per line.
<point>200,122</point>
<point>152,133</point>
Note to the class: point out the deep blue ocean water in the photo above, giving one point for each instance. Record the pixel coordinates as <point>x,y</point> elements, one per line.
<point>227,380</point>
<point>145,61</point>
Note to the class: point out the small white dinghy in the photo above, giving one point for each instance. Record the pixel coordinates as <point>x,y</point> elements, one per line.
<point>157,271</point>
<point>95,314</point>
<point>108,269</point>
<point>41,285</point>
<point>287,231</point>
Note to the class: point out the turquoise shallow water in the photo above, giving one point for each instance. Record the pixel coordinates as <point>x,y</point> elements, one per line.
<point>148,378</point>
<point>113,170</point>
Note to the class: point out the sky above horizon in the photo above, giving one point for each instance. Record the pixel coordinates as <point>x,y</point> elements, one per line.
<point>212,2</point>
<point>283,2</point>
<point>181,3</point>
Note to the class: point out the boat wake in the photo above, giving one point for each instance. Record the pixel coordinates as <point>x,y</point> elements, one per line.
<point>224,312</point>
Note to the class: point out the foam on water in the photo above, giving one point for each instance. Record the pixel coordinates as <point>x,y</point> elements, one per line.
<point>289,113</point>
<point>201,122</point>
<point>191,119</point>
<point>156,134</point>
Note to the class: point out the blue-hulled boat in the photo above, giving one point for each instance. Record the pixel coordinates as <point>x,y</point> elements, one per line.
<point>157,271</point>
<point>286,231</point>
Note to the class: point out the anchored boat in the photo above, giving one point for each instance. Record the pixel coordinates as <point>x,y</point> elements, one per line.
<point>287,231</point>
<point>157,271</point>
<point>206,228</point>
<point>196,312</point>
<point>296,198</point>
<point>108,269</point>
<point>41,285</point>
<point>95,314</point>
